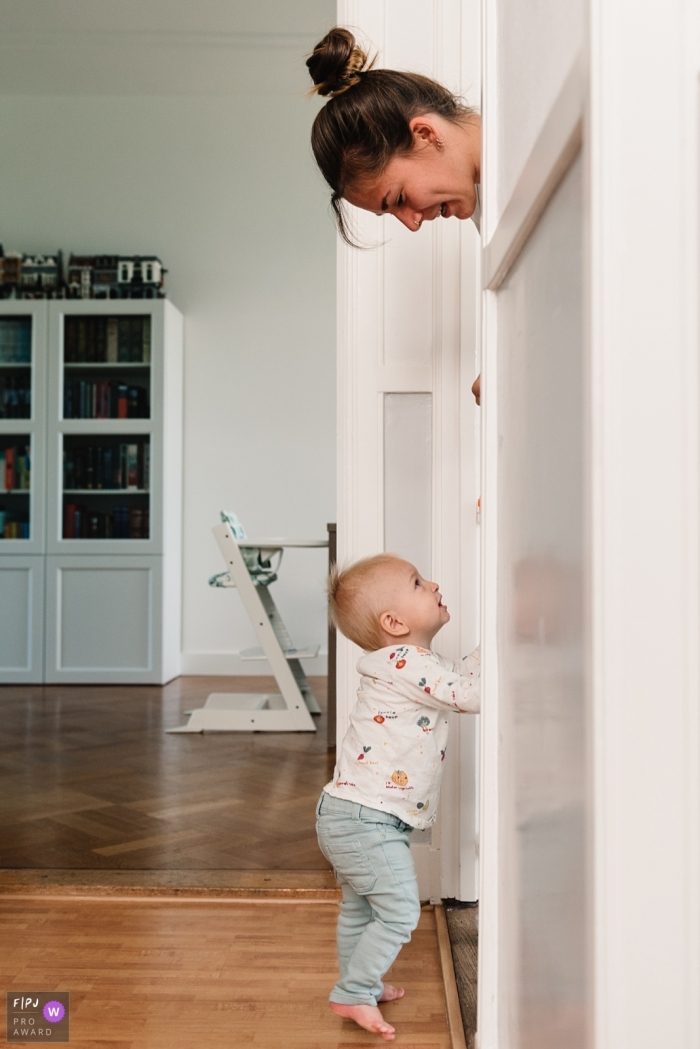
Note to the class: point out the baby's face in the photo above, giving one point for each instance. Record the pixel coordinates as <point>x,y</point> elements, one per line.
<point>414,600</point>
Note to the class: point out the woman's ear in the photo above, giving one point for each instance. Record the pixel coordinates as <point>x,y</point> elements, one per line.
<point>425,131</point>
<point>392,625</point>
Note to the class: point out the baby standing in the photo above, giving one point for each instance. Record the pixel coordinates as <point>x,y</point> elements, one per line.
<point>387,777</point>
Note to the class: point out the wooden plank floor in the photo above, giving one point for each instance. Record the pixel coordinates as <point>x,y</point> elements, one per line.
<point>149,974</point>
<point>90,780</point>
<point>463,927</point>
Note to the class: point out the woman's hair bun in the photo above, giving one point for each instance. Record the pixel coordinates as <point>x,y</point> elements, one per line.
<point>336,63</point>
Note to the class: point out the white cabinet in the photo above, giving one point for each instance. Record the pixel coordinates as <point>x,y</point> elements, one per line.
<point>100,508</point>
<point>21,618</point>
<point>105,616</point>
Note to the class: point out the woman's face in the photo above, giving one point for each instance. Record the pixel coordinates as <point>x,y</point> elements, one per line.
<point>435,179</point>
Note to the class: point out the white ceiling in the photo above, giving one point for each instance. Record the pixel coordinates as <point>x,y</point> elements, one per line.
<point>175,16</point>
<point>161,47</point>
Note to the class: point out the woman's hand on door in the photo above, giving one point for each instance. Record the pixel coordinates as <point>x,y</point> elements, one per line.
<point>476,389</point>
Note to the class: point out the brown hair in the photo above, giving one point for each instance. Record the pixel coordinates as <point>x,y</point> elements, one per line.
<point>352,601</point>
<point>366,120</point>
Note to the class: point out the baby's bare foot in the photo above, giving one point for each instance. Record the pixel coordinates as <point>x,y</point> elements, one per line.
<point>392,994</point>
<point>367,1016</point>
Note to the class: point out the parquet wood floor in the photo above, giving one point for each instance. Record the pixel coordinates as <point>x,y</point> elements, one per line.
<point>152,974</point>
<point>90,780</point>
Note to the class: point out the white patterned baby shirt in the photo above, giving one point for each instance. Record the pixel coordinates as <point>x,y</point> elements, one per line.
<point>393,752</point>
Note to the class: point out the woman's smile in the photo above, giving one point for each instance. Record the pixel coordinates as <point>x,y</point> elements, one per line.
<point>435,179</point>
<point>411,214</point>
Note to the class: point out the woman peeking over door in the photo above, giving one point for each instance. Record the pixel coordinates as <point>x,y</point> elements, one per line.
<point>392,143</point>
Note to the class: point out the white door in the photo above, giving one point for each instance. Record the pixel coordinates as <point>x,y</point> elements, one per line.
<point>590,743</point>
<point>407,451</point>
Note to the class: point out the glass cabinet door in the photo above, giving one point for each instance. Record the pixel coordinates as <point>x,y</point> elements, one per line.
<point>104,367</point>
<point>22,425</point>
<point>106,482</point>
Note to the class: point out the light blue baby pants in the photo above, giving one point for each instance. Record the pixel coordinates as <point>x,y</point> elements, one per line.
<point>380,908</point>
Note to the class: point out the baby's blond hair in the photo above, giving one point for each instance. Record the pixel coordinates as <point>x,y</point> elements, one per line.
<point>354,608</point>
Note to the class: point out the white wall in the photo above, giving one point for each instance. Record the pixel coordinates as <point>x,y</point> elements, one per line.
<point>184,130</point>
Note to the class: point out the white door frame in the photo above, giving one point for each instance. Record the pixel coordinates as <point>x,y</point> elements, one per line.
<point>444,369</point>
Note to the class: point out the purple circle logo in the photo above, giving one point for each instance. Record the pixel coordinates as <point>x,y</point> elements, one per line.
<point>54,1012</point>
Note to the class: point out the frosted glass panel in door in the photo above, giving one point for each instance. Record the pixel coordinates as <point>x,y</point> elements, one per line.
<point>408,477</point>
<point>537,45</point>
<point>540,551</point>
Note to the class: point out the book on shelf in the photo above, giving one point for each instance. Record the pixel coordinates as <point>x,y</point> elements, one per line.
<point>15,397</point>
<point>104,399</point>
<point>107,340</point>
<point>120,522</point>
<point>108,465</point>
<point>112,340</point>
<point>131,466</point>
<point>15,468</point>
<point>15,340</point>
<point>13,527</point>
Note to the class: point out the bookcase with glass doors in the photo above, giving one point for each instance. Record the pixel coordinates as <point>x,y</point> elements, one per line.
<point>90,554</point>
